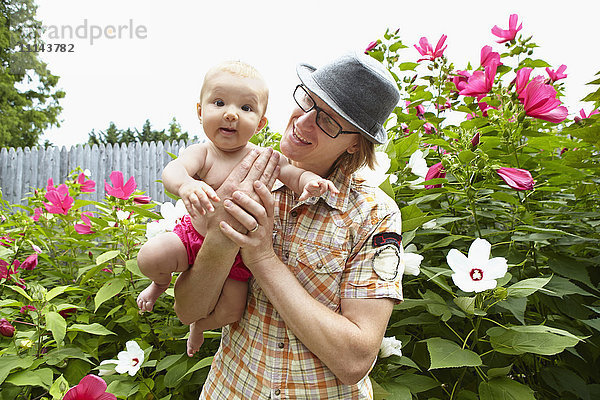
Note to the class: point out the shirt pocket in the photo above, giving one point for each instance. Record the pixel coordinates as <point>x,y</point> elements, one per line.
<point>320,271</point>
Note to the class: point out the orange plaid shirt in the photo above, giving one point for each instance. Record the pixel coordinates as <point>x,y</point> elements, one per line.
<point>328,243</point>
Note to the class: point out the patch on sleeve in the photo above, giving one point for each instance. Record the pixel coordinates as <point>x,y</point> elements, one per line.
<point>386,263</point>
<point>385,238</point>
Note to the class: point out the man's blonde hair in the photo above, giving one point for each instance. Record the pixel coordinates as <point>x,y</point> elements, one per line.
<point>364,156</point>
<point>237,68</point>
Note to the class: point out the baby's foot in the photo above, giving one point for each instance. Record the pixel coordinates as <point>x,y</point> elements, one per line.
<point>148,297</point>
<point>195,340</point>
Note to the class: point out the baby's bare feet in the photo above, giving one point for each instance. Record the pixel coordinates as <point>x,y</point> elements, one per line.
<point>148,297</point>
<point>195,340</point>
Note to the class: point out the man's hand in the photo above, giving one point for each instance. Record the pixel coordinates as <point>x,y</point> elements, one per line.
<point>258,165</point>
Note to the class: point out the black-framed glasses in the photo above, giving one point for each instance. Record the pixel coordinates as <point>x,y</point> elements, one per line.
<point>324,121</point>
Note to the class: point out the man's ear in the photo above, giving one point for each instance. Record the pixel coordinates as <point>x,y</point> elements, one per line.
<point>261,124</point>
<point>353,149</point>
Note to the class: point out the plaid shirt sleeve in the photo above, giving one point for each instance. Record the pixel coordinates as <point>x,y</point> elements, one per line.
<point>375,270</point>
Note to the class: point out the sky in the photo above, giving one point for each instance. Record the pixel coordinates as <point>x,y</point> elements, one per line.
<point>154,70</point>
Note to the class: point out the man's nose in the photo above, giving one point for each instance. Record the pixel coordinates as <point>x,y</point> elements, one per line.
<point>308,120</point>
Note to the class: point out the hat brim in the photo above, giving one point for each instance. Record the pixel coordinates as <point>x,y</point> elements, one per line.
<point>305,72</point>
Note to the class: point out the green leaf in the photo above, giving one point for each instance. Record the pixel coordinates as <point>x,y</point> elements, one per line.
<point>527,287</point>
<point>505,197</point>
<point>406,146</point>
<point>447,354</point>
<point>504,389</point>
<point>396,391</point>
<point>52,293</point>
<point>418,383</point>
<point>131,266</point>
<point>57,325</point>
<point>11,362</point>
<point>537,339</point>
<point>407,66</point>
<point>39,377</point>
<point>107,256</point>
<point>467,304</point>
<point>561,287</point>
<point>109,290</point>
<point>205,362</point>
<point>59,388</point>
<point>143,212</point>
<point>123,388</point>
<point>175,374</point>
<point>466,156</point>
<point>167,361</point>
<point>57,356</point>
<point>94,329</point>
<point>20,291</point>
<point>499,372</point>
<point>436,305</point>
<point>593,323</point>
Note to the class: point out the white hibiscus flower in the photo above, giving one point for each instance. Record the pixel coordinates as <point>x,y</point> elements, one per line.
<point>128,361</point>
<point>171,214</point>
<point>377,176</point>
<point>412,261</point>
<point>477,272</point>
<point>390,346</point>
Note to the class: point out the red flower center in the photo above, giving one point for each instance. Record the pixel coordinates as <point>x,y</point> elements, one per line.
<point>476,274</point>
<point>135,361</point>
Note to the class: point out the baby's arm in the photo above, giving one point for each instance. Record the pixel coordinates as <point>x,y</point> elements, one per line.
<point>305,183</point>
<point>179,178</point>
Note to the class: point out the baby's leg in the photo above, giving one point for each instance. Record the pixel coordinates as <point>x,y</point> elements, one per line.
<point>229,309</point>
<point>157,259</point>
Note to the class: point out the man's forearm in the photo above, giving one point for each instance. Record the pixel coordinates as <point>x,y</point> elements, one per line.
<point>347,344</point>
<point>197,290</point>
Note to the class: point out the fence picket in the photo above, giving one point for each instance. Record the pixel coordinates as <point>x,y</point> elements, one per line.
<point>23,169</point>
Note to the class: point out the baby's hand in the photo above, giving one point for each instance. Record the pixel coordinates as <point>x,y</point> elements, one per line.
<point>317,187</point>
<point>197,197</point>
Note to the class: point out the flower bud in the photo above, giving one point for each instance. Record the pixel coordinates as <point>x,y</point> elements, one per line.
<point>6,328</point>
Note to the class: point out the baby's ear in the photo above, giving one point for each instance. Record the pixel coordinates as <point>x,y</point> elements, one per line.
<point>199,111</point>
<point>261,124</point>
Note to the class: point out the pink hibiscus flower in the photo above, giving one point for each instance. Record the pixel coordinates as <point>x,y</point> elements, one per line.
<point>558,74</point>
<point>86,227</point>
<point>511,33</point>
<point>488,56</point>
<point>428,51</point>
<point>539,101</point>
<point>118,189</point>
<point>481,82</point>
<point>91,387</point>
<point>60,201</point>
<point>86,185</point>
<point>516,178</point>
<point>584,116</point>
<point>435,171</point>
<point>371,46</point>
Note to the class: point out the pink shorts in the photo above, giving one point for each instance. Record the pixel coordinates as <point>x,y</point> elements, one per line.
<point>192,241</point>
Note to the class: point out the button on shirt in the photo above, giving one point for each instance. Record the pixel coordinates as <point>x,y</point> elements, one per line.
<point>327,242</point>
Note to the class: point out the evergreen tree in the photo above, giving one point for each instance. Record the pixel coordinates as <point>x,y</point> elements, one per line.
<point>114,135</point>
<point>25,110</point>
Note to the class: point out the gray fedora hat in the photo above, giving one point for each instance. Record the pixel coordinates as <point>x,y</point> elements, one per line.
<point>358,88</point>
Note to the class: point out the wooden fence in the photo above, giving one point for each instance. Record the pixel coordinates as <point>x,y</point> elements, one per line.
<point>23,169</point>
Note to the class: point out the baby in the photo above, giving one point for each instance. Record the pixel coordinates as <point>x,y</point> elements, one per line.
<point>232,106</point>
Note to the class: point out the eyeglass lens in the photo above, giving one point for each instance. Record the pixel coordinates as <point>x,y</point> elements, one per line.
<point>324,120</point>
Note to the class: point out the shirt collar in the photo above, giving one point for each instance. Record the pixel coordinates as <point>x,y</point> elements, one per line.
<point>338,201</point>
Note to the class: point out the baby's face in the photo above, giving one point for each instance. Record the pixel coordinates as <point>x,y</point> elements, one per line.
<point>232,109</point>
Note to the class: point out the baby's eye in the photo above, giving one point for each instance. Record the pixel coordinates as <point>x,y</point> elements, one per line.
<point>246,107</point>
<point>219,103</point>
